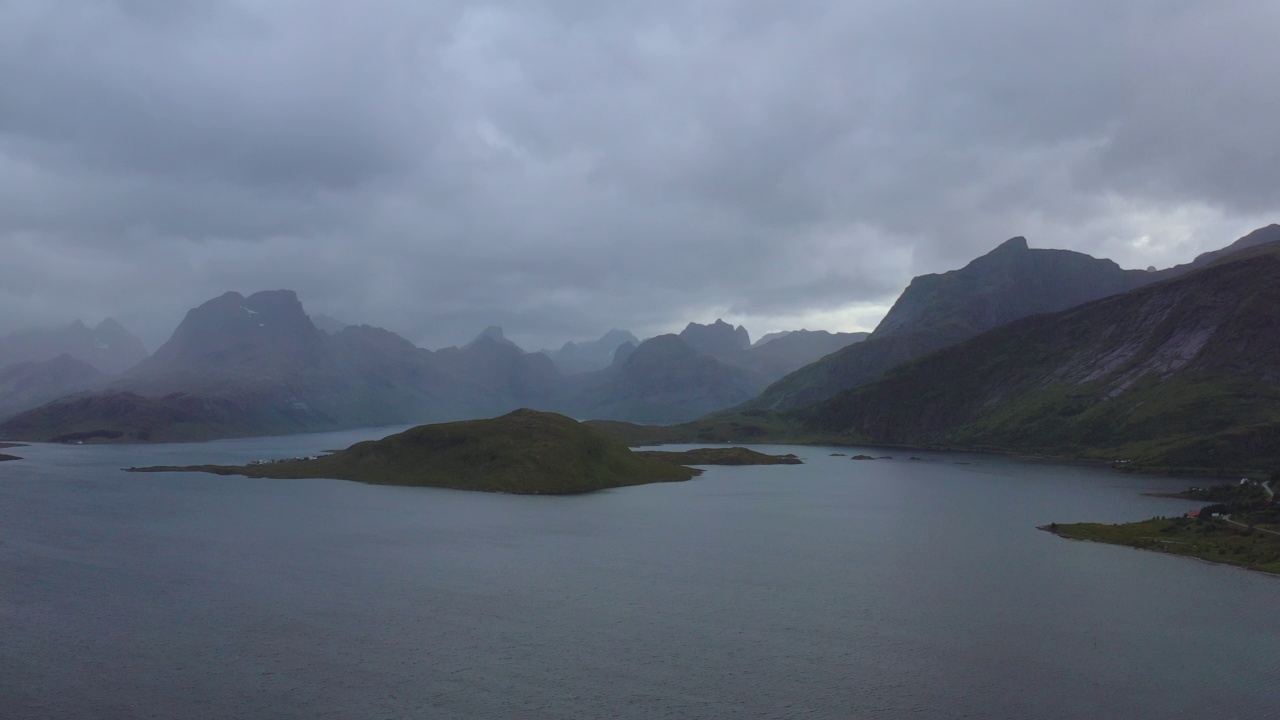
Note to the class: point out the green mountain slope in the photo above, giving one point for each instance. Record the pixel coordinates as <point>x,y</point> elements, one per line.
<point>1182,373</point>
<point>1011,282</point>
<point>936,311</point>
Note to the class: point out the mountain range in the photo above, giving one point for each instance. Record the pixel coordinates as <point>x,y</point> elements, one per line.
<point>1182,373</point>
<point>1179,374</point>
<point>575,358</point>
<point>108,347</point>
<point>1027,350</point>
<point>935,311</point>
<point>42,364</point>
<point>254,365</point>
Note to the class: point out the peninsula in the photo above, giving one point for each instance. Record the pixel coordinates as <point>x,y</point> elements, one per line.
<point>523,452</point>
<point>1240,527</point>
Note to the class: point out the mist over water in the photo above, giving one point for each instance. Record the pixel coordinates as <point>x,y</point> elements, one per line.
<point>832,589</point>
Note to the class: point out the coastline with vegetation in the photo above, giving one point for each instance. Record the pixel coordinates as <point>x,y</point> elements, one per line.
<point>1240,526</point>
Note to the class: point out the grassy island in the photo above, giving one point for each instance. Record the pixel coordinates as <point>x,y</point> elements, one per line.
<point>524,452</point>
<point>4,457</point>
<point>1240,527</point>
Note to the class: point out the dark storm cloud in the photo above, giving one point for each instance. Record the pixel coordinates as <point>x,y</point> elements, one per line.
<point>563,167</point>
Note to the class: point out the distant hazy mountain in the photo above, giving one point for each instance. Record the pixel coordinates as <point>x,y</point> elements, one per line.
<point>1008,283</point>
<point>720,340</point>
<point>495,334</point>
<point>663,380</point>
<point>623,352</point>
<point>234,366</point>
<point>787,352</point>
<point>499,377</point>
<point>1181,373</point>
<point>258,365</point>
<point>108,347</point>
<point>573,358</point>
<point>27,385</point>
<point>328,324</point>
<point>769,337</point>
<point>386,379</point>
<point>675,378</point>
<point>783,353</point>
<point>265,337</point>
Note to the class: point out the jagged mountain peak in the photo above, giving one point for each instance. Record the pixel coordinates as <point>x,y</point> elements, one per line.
<point>267,334</point>
<point>719,339</point>
<point>282,300</point>
<point>1016,244</point>
<point>109,325</point>
<point>719,323</point>
<point>1174,374</point>
<point>493,334</point>
<point>1261,236</point>
<point>1009,282</point>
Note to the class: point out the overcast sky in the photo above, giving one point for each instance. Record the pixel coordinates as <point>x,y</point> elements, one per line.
<point>560,167</point>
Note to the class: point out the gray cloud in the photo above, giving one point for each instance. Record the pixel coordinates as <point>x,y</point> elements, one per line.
<point>562,167</point>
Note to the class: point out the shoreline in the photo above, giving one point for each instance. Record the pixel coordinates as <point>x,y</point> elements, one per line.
<point>1162,549</point>
<point>1207,561</point>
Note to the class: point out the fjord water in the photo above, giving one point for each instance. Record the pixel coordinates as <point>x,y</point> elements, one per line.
<point>838,588</point>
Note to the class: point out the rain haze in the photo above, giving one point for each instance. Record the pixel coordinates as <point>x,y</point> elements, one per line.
<point>561,168</point>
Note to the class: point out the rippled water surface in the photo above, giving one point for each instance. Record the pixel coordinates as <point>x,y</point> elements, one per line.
<point>887,589</point>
